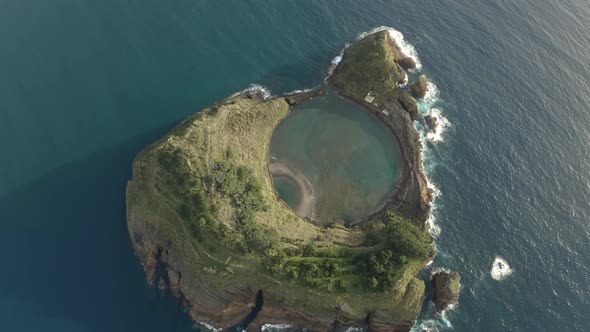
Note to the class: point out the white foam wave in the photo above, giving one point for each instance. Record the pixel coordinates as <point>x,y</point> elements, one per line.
<point>430,98</point>
<point>356,329</point>
<point>209,327</point>
<point>338,58</point>
<point>431,94</point>
<point>406,48</point>
<point>256,88</point>
<point>437,270</point>
<point>405,82</point>
<point>334,63</point>
<point>433,188</point>
<point>442,124</point>
<point>437,323</point>
<point>433,228</point>
<point>426,108</point>
<point>429,325</point>
<point>500,269</point>
<point>275,327</point>
<point>298,91</point>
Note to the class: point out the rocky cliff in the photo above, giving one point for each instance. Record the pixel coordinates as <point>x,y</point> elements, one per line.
<point>206,224</point>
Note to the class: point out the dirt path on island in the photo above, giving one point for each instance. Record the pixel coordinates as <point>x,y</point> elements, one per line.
<point>306,206</point>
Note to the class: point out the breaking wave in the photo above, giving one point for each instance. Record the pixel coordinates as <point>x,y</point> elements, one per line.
<point>338,58</point>
<point>431,95</point>
<point>500,269</point>
<point>256,88</point>
<point>442,123</point>
<point>297,91</point>
<point>435,324</point>
<point>356,329</point>
<point>429,106</point>
<point>276,327</point>
<point>208,326</point>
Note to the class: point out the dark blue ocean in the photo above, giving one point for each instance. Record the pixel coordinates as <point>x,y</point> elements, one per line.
<point>85,85</point>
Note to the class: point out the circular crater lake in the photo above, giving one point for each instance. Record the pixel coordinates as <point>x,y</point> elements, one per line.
<point>333,161</point>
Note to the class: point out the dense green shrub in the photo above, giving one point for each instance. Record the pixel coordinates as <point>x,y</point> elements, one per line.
<point>381,270</point>
<point>242,188</point>
<point>239,185</point>
<point>407,238</point>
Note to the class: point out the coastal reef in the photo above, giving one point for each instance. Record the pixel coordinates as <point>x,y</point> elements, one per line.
<point>205,221</point>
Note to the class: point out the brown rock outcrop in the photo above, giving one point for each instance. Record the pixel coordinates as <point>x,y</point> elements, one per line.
<point>446,289</point>
<point>431,122</point>
<point>419,87</point>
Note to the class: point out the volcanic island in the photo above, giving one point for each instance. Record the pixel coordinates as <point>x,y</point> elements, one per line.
<point>208,225</point>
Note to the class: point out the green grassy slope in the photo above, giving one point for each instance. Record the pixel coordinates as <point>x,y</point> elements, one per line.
<point>369,65</point>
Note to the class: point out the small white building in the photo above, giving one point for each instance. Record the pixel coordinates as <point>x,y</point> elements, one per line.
<point>369,97</point>
<point>385,112</point>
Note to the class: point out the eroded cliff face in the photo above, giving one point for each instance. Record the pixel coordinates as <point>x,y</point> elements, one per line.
<point>224,308</point>
<point>230,308</point>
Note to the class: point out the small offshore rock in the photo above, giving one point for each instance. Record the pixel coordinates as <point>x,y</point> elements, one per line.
<point>420,86</point>
<point>431,122</point>
<point>446,289</point>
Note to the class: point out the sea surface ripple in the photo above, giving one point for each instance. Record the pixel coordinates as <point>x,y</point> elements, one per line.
<point>85,85</point>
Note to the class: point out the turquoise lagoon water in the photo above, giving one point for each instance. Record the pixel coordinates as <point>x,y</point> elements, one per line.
<point>347,154</point>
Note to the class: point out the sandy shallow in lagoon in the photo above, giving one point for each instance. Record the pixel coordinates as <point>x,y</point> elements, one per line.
<point>307,200</point>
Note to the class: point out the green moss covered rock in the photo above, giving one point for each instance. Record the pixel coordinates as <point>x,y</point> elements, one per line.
<point>446,289</point>
<point>419,87</point>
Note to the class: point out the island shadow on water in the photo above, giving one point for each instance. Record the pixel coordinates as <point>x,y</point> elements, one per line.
<point>333,161</point>
<point>71,222</point>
